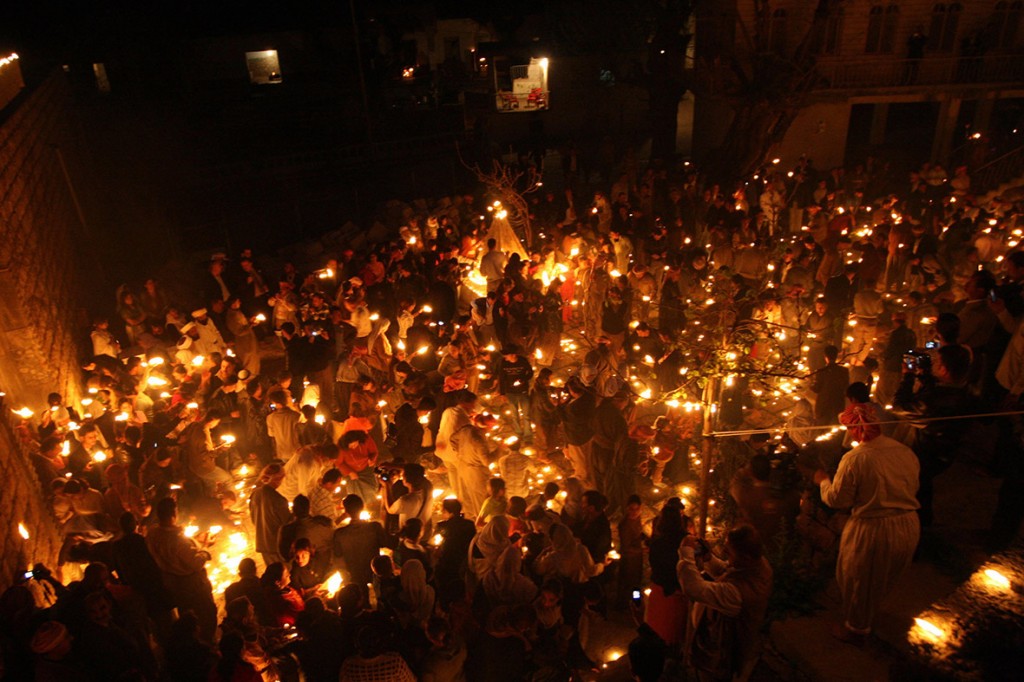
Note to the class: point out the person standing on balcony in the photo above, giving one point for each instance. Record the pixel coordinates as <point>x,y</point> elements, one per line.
<point>915,52</point>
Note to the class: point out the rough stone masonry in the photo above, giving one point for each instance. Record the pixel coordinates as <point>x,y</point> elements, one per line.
<point>39,311</point>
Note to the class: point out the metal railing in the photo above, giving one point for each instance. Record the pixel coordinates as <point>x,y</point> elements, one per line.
<point>886,73</point>
<point>509,101</point>
<point>997,171</point>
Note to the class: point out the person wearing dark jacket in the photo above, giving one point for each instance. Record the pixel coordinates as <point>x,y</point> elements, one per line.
<point>451,558</point>
<point>135,567</point>
<point>941,392</point>
<point>594,530</point>
<point>514,373</point>
<point>830,384</point>
<point>902,340</point>
<point>577,413</point>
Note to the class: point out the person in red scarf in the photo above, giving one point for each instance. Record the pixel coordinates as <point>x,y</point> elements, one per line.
<point>877,480</point>
<point>357,459</point>
<point>284,603</point>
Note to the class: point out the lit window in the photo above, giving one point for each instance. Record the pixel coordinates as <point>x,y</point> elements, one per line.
<point>264,68</point>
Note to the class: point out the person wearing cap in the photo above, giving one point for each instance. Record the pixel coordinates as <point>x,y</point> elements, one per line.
<point>214,284</point>
<point>54,659</point>
<point>285,304</point>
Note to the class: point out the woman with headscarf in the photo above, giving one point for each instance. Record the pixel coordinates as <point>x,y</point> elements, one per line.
<point>506,585</point>
<point>566,558</point>
<point>487,546</point>
<point>123,496</point>
<point>416,593</point>
<point>877,481</point>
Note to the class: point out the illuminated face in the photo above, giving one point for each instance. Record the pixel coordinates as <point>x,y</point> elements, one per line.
<point>302,557</point>
<point>89,440</point>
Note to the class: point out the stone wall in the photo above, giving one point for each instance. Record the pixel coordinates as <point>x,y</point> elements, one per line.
<point>39,311</point>
<point>22,503</point>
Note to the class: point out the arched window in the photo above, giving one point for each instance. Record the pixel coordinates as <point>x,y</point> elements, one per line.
<point>945,20</point>
<point>777,31</point>
<point>833,38</point>
<point>883,21</point>
<point>1005,23</point>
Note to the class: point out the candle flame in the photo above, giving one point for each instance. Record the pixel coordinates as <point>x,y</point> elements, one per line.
<point>929,630</point>
<point>333,584</point>
<point>995,579</point>
<point>23,531</point>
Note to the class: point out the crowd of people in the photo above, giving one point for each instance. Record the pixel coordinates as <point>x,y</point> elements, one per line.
<point>449,456</point>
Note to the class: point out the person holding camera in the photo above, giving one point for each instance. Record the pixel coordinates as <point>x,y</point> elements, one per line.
<point>729,610</point>
<point>929,392</point>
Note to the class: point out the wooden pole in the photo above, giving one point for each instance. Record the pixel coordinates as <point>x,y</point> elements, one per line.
<point>710,400</point>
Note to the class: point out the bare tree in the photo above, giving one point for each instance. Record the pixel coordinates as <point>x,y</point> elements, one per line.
<point>511,186</point>
<point>765,82</point>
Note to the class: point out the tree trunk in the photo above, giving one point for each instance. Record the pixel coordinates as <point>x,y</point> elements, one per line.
<point>664,108</point>
<point>752,133</point>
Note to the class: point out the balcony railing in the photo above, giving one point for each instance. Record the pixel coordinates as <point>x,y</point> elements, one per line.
<point>891,73</point>
<point>512,102</point>
<point>1007,167</point>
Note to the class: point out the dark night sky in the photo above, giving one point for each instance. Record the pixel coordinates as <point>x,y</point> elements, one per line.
<point>61,28</point>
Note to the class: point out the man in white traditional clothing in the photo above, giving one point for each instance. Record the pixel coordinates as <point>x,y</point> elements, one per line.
<point>877,480</point>
<point>209,338</point>
<point>453,419</point>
